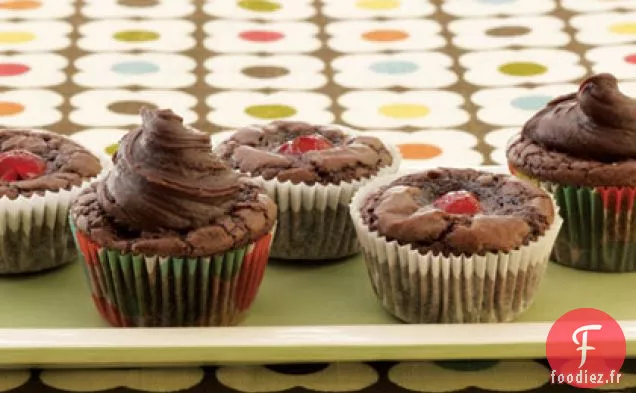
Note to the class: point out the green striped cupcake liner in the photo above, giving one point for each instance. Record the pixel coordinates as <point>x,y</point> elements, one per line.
<point>131,290</point>
<point>599,229</point>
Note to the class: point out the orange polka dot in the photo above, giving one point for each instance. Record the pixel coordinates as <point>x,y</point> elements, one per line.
<point>385,35</point>
<point>419,151</point>
<point>20,4</point>
<point>8,108</point>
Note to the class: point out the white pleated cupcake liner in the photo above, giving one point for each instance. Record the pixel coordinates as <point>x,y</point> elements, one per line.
<point>34,232</point>
<point>429,288</point>
<point>313,220</point>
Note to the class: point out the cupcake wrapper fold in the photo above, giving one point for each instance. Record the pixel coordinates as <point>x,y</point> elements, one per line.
<point>599,233</point>
<point>314,220</point>
<point>599,230</point>
<point>34,232</point>
<point>150,291</point>
<point>429,288</point>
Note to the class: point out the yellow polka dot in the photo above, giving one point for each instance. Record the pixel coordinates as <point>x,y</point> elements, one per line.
<point>112,149</point>
<point>522,68</point>
<point>419,151</point>
<point>259,5</point>
<point>628,28</point>
<point>274,111</point>
<point>16,37</point>
<point>136,36</point>
<point>378,4</point>
<point>404,111</point>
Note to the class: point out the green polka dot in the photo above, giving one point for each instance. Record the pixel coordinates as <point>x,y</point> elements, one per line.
<point>136,36</point>
<point>270,111</point>
<point>467,366</point>
<point>112,149</point>
<point>259,5</point>
<point>523,69</point>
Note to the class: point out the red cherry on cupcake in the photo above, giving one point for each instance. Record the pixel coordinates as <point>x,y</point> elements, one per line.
<point>287,148</point>
<point>458,202</point>
<point>305,143</point>
<point>20,165</point>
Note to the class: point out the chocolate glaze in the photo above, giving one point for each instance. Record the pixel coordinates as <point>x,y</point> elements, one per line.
<point>512,213</point>
<point>169,195</point>
<point>252,150</point>
<point>165,177</point>
<point>597,122</point>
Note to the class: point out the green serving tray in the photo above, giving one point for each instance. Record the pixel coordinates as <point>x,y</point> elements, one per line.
<point>303,313</point>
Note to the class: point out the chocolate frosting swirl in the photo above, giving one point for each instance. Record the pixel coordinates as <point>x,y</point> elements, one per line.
<point>598,122</point>
<point>166,176</point>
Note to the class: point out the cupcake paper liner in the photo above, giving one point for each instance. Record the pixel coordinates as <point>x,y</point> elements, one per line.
<point>34,232</point>
<point>599,230</point>
<point>429,288</point>
<point>313,220</point>
<point>131,290</point>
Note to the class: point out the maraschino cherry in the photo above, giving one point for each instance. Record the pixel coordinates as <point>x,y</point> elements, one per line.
<point>18,165</point>
<point>458,202</point>
<point>305,143</point>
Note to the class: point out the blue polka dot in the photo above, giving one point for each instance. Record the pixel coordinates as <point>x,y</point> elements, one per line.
<point>496,1</point>
<point>394,67</point>
<point>530,103</point>
<point>135,68</point>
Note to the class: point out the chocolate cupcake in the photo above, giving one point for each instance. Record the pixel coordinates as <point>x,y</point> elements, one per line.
<point>311,171</point>
<point>40,172</point>
<point>172,236</point>
<point>582,148</point>
<point>455,245</point>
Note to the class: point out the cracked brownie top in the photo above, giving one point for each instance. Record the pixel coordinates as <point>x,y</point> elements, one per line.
<point>168,195</point>
<point>587,138</point>
<point>304,153</point>
<point>459,211</point>
<point>33,162</point>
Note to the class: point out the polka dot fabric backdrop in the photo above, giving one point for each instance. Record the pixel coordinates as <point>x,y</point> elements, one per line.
<point>448,81</point>
<point>403,377</point>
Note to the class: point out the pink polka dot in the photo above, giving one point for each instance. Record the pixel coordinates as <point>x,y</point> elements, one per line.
<point>261,36</point>
<point>631,59</point>
<point>13,69</point>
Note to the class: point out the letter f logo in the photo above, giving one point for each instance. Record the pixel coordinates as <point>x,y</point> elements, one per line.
<point>583,343</point>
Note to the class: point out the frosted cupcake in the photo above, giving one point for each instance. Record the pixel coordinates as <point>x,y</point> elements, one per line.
<point>40,172</point>
<point>311,171</point>
<point>172,236</point>
<point>455,245</point>
<point>582,148</point>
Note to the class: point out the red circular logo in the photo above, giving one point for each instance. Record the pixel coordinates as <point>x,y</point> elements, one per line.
<point>586,349</point>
